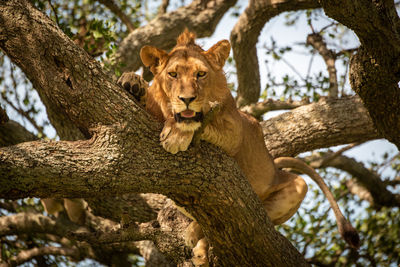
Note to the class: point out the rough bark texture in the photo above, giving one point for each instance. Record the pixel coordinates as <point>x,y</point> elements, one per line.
<point>201,17</point>
<point>374,70</point>
<point>328,122</point>
<point>244,37</point>
<point>122,153</point>
<point>134,161</point>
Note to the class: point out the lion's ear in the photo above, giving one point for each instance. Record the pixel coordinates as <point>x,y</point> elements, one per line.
<point>219,52</point>
<point>152,57</point>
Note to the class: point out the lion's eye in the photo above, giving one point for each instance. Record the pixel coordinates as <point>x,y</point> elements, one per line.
<point>201,74</point>
<point>173,74</point>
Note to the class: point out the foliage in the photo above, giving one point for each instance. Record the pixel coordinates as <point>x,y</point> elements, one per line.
<point>313,230</point>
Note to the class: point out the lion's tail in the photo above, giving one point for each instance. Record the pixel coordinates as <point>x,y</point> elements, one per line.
<point>347,231</point>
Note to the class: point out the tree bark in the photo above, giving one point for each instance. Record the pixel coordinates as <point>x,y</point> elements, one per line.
<point>329,122</point>
<point>244,37</point>
<point>124,157</point>
<point>200,17</point>
<point>374,70</point>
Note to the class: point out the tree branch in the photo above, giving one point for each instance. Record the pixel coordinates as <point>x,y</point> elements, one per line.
<point>68,78</point>
<point>163,7</point>
<point>366,178</point>
<point>374,70</point>
<point>326,123</point>
<point>244,37</point>
<point>201,17</point>
<point>27,255</point>
<point>3,116</point>
<point>12,133</point>
<point>317,42</point>
<point>111,5</point>
<point>260,108</point>
<point>25,223</point>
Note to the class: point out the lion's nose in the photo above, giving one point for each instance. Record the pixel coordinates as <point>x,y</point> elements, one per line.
<point>187,100</point>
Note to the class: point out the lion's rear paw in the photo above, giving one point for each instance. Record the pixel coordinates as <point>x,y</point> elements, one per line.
<point>135,85</point>
<point>200,252</point>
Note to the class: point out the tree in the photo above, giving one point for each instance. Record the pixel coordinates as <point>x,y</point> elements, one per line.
<point>109,153</point>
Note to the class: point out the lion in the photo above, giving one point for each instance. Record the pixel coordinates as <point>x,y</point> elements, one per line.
<point>186,81</point>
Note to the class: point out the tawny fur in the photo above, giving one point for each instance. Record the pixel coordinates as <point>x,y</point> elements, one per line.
<point>179,75</point>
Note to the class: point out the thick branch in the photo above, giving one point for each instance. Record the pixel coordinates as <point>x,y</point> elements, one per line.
<point>244,37</point>
<point>200,17</point>
<point>327,123</point>
<point>72,169</point>
<point>374,70</point>
<point>64,74</point>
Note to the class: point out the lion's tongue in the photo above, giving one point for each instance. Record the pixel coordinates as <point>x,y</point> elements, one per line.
<point>188,113</point>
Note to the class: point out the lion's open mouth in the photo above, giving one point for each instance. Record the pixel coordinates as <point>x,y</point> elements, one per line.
<point>188,116</point>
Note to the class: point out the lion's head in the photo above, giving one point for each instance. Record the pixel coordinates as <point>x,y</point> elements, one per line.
<point>188,78</point>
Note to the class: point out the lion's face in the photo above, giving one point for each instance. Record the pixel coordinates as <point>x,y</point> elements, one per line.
<point>187,76</point>
<point>186,83</point>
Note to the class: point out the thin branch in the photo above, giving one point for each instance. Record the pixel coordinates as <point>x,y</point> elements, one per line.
<point>244,37</point>
<point>328,157</point>
<point>163,7</point>
<point>260,108</point>
<point>54,11</point>
<point>135,232</point>
<point>394,182</point>
<point>368,179</point>
<point>110,4</point>
<point>25,115</point>
<point>316,41</point>
<point>200,16</point>
<point>27,255</point>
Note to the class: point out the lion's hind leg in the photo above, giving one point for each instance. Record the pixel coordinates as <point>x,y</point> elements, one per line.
<point>284,198</point>
<point>135,85</point>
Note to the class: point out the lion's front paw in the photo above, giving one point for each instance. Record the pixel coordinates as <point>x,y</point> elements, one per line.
<point>135,85</point>
<point>173,139</point>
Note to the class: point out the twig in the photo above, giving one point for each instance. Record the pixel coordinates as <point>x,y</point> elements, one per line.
<point>54,11</point>
<point>332,156</point>
<point>209,117</point>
